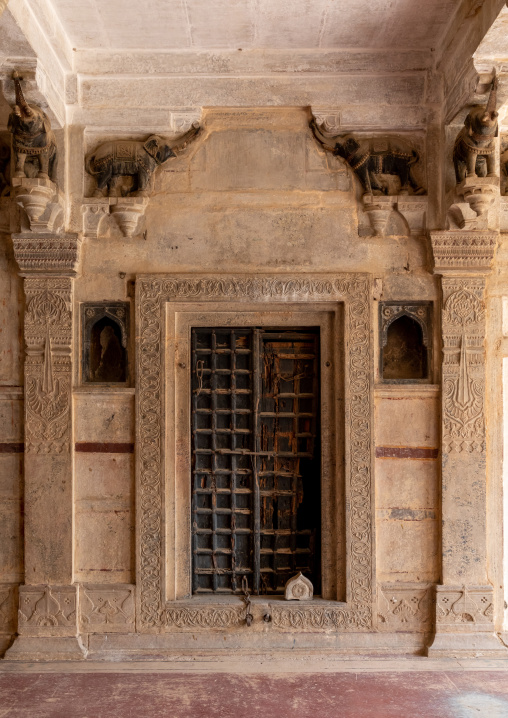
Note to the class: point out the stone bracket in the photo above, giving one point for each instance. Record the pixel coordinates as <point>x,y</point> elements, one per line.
<point>126,211</point>
<point>42,204</point>
<point>379,209</point>
<point>478,195</point>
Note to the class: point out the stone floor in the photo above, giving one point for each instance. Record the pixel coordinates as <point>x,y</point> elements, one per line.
<point>412,688</point>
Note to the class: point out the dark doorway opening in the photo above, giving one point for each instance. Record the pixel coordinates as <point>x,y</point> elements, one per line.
<point>256,474</point>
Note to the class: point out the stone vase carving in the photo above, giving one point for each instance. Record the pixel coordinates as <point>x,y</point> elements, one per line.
<point>127,212</point>
<point>40,201</point>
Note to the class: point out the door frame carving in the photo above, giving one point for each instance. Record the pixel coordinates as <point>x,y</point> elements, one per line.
<point>270,292</point>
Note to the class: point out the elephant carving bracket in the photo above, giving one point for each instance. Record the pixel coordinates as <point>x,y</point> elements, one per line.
<point>127,211</point>
<point>378,213</point>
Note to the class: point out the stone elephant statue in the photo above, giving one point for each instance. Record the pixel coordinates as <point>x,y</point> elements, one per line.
<point>372,158</point>
<point>33,141</point>
<point>475,147</point>
<point>131,158</point>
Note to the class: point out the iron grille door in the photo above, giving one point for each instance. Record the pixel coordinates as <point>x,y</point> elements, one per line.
<point>255,458</point>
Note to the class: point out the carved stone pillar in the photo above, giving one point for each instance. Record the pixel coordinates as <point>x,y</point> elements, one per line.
<point>464,600</point>
<point>47,617</point>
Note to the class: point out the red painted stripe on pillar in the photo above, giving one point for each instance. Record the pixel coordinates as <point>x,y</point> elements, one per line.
<point>12,447</point>
<point>98,448</point>
<point>406,452</point>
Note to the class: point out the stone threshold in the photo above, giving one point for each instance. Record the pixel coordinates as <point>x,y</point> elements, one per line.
<point>238,662</point>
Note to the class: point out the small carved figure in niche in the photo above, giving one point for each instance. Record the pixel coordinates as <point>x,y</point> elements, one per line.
<point>372,159</point>
<point>474,150</point>
<point>129,158</point>
<point>107,355</point>
<point>404,354</point>
<point>33,141</point>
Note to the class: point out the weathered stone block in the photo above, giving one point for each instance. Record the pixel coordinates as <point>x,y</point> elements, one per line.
<point>407,547</point>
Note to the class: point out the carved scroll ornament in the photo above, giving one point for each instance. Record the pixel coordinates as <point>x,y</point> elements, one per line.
<point>463,365</point>
<point>153,292</point>
<point>48,333</point>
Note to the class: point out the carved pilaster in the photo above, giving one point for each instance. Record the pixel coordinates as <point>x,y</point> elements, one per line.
<point>464,601</point>
<point>48,601</point>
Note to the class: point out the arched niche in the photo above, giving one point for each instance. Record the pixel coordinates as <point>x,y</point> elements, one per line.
<point>405,347</point>
<point>105,343</point>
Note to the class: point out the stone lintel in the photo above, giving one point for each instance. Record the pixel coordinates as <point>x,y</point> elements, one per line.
<point>47,254</point>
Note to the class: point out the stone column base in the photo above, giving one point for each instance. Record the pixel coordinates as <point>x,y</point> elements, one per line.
<point>467,645</point>
<point>46,648</point>
<point>464,624</point>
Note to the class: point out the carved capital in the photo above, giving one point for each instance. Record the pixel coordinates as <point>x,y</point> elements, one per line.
<point>47,253</point>
<point>463,252</point>
<point>47,610</point>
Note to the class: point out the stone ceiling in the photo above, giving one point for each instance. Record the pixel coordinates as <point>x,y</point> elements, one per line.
<point>254,24</point>
<point>125,64</point>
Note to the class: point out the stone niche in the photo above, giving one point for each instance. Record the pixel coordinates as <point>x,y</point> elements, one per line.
<point>105,336</point>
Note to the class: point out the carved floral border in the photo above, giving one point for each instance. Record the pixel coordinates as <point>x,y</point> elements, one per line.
<point>152,293</point>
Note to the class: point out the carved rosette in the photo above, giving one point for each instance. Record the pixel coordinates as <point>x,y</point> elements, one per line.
<point>463,322</point>
<point>152,294</point>
<point>48,337</point>
<point>464,609</point>
<point>47,610</point>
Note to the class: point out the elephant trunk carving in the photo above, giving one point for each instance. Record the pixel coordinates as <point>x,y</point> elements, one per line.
<point>132,158</point>
<point>21,103</point>
<point>373,164</point>
<point>33,141</point>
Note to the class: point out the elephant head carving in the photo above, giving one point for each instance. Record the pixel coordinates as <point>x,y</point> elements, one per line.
<point>132,158</point>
